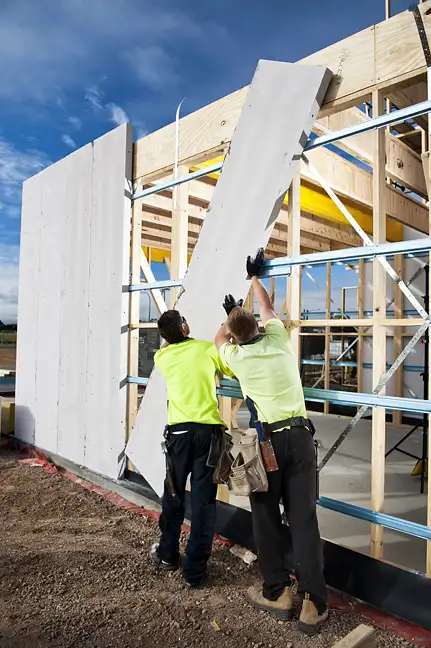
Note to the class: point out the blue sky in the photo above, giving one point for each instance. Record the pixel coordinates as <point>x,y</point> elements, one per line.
<point>73,69</point>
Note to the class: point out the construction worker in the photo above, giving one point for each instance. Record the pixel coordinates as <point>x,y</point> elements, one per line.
<point>267,370</point>
<point>189,367</point>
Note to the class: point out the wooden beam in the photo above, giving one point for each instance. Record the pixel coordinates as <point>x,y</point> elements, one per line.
<point>374,57</point>
<point>403,97</point>
<point>397,415</point>
<point>293,297</point>
<point>368,322</point>
<point>179,232</point>
<point>402,164</point>
<point>159,224</point>
<point>379,333</point>
<point>200,196</point>
<point>360,343</point>
<point>272,290</point>
<point>349,181</point>
<point>327,376</point>
<point>427,169</point>
<point>201,192</point>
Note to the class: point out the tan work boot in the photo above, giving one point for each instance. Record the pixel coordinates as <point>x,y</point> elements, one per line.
<point>281,608</point>
<point>310,620</point>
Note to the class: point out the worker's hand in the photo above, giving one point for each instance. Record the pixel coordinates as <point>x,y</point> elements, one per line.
<point>230,303</point>
<point>255,264</point>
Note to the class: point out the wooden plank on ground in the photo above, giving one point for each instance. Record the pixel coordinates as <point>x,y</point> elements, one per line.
<point>280,110</point>
<point>361,637</point>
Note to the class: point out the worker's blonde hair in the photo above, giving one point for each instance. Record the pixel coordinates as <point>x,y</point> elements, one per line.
<point>242,324</point>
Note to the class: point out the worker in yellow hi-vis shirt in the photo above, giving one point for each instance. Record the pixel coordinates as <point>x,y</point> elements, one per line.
<point>267,370</point>
<point>192,438</point>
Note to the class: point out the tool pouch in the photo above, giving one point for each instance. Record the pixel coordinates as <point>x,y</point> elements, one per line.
<point>222,467</point>
<point>248,474</point>
<point>169,464</point>
<point>268,456</point>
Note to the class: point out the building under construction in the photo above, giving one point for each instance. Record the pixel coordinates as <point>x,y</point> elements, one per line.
<point>325,163</point>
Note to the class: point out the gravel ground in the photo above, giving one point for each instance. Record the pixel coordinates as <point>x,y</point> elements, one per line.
<point>74,572</point>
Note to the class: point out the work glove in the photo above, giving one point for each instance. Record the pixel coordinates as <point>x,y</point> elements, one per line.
<point>255,264</point>
<point>230,303</point>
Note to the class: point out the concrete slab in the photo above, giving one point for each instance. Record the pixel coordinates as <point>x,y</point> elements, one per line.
<point>347,477</point>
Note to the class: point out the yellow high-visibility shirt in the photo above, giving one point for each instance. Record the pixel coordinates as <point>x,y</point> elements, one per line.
<point>267,370</point>
<point>189,369</point>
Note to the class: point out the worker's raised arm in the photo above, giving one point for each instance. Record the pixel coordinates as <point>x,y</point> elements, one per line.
<point>222,336</point>
<point>254,269</point>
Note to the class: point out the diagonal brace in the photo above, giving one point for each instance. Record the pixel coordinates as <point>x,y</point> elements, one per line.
<point>367,240</point>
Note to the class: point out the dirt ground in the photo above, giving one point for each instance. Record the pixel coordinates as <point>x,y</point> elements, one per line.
<point>7,357</point>
<point>74,572</point>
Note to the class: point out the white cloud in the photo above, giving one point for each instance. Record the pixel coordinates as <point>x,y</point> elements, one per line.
<point>15,167</point>
<point>9,256</point>
<point>75,122</point>
<point>66,139</point>
<point>139,129</point>
<point>153,65</point>
<point>117,114</point>
<point>65,46</point>
<point>92,94</point>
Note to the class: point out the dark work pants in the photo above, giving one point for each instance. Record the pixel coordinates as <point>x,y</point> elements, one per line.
<point>188,452</point>
<point>295,484</point>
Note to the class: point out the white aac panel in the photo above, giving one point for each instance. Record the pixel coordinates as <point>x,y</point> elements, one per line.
<point>281,106</point>
<point>72,338</point>
<point>108,272</point>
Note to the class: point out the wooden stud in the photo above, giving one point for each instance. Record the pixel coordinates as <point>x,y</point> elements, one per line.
<point>179,234</point>
<point>327,376</point>
<point>225,405</point>
<point>379,333</point>
<point>428,178</point>
<point>249,300</point>
<point>368,322</point>
<point>360,343</point>
<point>272,290</point>
<point>293,298</point>
<point>397,415</point>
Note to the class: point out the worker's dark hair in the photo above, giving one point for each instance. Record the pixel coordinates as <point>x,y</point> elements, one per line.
<point>170,326</point>
<point>242,324</point>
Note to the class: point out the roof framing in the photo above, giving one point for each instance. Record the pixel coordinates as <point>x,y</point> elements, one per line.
<point>373,58</point>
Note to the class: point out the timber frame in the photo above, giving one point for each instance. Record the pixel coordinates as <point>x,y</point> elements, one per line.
<point>384,65</point>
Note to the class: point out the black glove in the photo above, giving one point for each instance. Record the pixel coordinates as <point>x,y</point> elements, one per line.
<point>255,264</point>
<point>230,303</point>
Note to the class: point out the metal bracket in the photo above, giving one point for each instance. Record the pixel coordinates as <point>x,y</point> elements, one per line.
<point>422,33</point>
